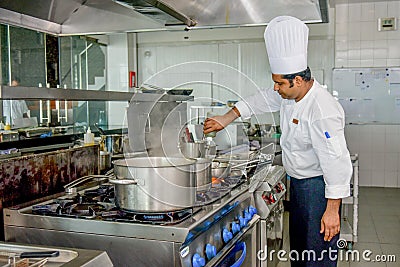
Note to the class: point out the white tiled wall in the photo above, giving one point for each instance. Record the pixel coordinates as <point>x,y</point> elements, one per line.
<point>358,43</point>
<point>378,147</point>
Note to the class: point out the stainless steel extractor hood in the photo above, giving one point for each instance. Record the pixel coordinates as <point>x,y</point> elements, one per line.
<point>68,17</point>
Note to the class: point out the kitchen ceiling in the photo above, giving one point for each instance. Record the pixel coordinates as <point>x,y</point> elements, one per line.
<point>77,17</point>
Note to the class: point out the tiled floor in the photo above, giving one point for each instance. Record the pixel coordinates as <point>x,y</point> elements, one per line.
<point>379,227</point>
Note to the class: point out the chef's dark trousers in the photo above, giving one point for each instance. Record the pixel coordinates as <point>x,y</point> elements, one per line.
<point>307,205</point>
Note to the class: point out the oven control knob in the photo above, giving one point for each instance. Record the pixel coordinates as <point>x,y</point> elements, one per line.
<point>242,222</point>
<point>252,210</point>
<point>247,215</point>
<point>211,251</point>
<point>198,261</point>
<point>235,228</point>
<point>226,235</point>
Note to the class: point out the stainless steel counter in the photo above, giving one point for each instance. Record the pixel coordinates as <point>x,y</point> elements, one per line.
<point>68,257</point>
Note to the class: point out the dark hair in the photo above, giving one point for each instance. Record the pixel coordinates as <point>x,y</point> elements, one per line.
<point>305,75</point>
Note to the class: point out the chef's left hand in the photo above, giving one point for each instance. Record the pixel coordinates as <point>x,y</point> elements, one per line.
<point>330,222</point>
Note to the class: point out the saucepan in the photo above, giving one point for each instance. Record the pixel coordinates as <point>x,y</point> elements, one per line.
<point>220,169</point>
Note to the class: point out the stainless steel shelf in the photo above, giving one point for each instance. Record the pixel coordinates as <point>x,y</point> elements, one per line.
<point>41,93</point>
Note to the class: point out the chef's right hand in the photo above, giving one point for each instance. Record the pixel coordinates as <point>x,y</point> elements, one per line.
<point>216,123</point>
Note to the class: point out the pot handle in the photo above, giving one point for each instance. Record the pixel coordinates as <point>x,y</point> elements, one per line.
<point>123,181</point>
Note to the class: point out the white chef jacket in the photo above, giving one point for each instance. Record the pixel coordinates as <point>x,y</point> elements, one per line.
<point>14,109</point>
<point>312,140</point>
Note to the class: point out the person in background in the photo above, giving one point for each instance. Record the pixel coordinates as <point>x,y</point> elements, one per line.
<point>14,109</point>
<point>314,150</point>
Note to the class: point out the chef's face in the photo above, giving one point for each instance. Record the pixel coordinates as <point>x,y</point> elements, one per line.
<point>284,88</point>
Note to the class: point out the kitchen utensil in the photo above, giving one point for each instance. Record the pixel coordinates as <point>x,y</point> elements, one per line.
<point>96,125</point>
<point>180,91</point>
<point>220,169</point>
<point>32,254</point>
<point>113,143</point>
<point>154,184</point>
<point>105,160</point>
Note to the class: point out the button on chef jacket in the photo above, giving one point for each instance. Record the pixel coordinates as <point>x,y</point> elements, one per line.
<point>312,139</point>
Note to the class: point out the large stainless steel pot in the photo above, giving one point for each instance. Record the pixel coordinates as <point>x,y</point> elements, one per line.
<point>154,184</point>
<point>203,174</point>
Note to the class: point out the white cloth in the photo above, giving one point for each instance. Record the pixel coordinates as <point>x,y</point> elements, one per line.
<point>286,39</point>
<point>307,150</point>
<point>14,109</point>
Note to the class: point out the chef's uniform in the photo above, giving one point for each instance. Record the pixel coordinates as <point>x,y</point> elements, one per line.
<point>315,154</point>
<point>14,109</point>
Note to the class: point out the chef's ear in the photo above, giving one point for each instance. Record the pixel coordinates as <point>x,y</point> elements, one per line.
<point>298,80</point>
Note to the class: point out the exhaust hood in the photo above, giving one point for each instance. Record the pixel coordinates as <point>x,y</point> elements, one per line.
<point>73,17</point>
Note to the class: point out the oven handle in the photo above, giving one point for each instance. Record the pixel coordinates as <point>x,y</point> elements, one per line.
<point>239,247</point>
<point>236,239</point>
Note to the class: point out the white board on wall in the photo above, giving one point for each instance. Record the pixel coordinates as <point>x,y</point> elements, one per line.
<point>369,95</point>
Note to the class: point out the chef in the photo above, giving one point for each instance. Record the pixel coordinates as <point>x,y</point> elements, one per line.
<point>15,109</point>
<point>315,153</point>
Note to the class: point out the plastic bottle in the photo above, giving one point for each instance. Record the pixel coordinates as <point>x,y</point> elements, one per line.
<point>214,133</point>
<point>88,137</point>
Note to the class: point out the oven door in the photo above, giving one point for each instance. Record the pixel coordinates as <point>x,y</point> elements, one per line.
<point>241,250</point>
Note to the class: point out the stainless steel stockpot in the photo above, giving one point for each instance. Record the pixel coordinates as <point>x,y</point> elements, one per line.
<point>203,174</point>
<point>154,184</point>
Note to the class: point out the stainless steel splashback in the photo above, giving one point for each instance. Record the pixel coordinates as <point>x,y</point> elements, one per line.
<point>155,121</point>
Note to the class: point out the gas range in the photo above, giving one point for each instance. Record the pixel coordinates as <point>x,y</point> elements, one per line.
<point>223,220</point>
<point>99,204</point>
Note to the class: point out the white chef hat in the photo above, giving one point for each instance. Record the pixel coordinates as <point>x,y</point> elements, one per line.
<point>286,39</point>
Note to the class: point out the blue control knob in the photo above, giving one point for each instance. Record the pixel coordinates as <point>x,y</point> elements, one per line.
<point>235,228</point>
<point>252,210</point>
<point>247,215</point>
<point>242,222</point>
<point>211,251</point>
<point>226,235</point>
<point>198,261</point>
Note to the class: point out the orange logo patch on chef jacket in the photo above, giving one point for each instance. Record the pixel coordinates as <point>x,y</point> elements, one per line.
<point>295,121</point>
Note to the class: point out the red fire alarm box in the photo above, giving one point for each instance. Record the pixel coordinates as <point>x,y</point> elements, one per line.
<point>132,79</point>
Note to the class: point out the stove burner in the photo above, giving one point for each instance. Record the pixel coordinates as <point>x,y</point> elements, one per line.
<point>85,209</point>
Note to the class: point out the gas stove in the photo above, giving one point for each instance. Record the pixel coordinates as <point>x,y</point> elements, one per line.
<point>98,204</point>
<point>222,220</point>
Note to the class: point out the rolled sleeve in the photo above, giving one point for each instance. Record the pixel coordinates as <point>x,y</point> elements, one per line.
<point>244,110</point>
<point>330,147</point>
